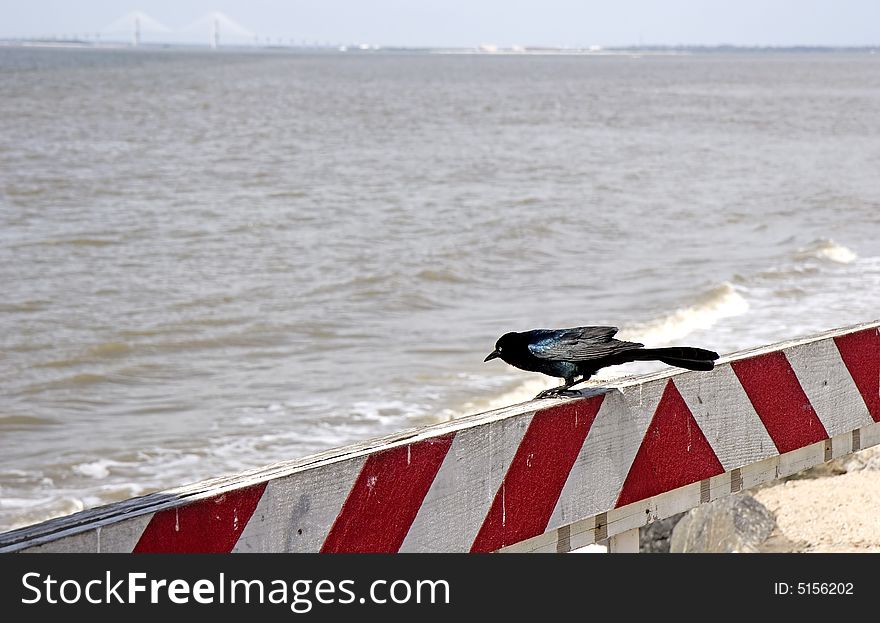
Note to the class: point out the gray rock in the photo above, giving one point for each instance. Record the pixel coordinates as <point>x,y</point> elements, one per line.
<point>867,459</point>
<point>873,464</point>
<point>654,538</point>
<point>834,467</point>
<point>736,523</point>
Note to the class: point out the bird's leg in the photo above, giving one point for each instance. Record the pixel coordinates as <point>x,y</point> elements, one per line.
<point>569,382</point>
<point>562,390</point>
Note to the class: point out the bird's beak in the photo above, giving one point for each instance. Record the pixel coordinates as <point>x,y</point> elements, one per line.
<point>492,355</point>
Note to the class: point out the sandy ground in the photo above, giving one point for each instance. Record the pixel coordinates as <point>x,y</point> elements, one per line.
<point>838,513</point>
<point>833,507</point>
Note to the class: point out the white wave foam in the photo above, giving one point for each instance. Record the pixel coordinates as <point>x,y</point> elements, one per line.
<point>385,411</point>
<point>720,302</point>
<point>95,469</point>
<point>9,502</point>
<point>827,249</point>
<point>523,392</point>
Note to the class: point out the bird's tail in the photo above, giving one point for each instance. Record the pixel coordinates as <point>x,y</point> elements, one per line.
<point>680,356</point>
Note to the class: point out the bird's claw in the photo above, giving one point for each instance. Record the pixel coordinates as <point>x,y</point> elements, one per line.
<point>557,392</point>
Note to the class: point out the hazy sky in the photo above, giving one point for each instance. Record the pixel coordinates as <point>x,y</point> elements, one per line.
<point>473,22</point>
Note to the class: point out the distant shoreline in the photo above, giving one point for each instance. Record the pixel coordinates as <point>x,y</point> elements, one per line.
<point>483,50</point>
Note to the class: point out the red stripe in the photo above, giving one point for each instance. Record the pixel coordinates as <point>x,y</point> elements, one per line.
<point>207,526</point>
<point>860,352</point>
<point>674,452</point>
<point>534,481</point>
<point>386,497</point>
<point>780,401</point>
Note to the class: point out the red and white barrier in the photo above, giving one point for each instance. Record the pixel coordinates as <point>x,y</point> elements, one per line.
<point>546,475</point>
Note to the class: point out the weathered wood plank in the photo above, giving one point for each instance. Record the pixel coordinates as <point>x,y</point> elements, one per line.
<point>625,542</point>
<point>465,497</point>
<point>583,533</point>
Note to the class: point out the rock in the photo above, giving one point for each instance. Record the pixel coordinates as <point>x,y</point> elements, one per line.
<point>736,523</point>
<point>873,464</point>
<point>654,538</point>
<point>834,467</point>
<point>869,458</point>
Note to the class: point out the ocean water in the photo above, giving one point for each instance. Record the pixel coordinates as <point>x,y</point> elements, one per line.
<point>211,262</point>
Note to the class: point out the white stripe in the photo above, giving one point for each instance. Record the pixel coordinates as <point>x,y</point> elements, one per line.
<point>726,416</point>
<point>463,490</point>
<point>602,465</point>
<point>829,386</point>
<point>297,511</point>
<point>120,537</point>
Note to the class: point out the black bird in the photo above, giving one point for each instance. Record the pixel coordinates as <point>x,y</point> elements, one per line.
<point>578,353</point>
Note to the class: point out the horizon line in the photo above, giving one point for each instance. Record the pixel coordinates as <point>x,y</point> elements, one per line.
<point>485,47</point>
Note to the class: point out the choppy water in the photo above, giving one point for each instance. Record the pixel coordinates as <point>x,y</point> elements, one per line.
<point>216,261</point>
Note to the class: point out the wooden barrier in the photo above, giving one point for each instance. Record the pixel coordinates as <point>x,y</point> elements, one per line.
<point>549,475</point>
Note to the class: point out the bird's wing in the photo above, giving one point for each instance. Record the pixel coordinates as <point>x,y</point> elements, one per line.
<point>578,343</point>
